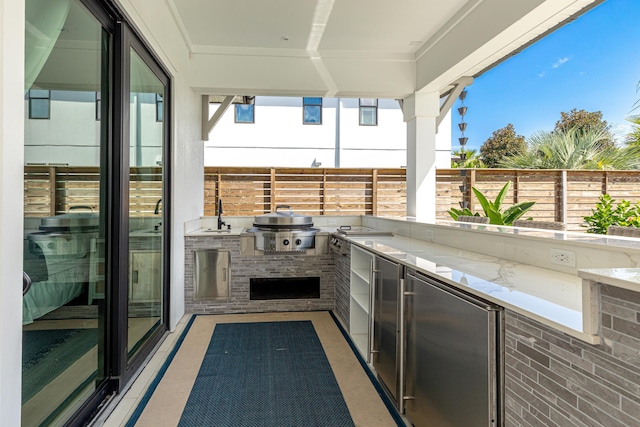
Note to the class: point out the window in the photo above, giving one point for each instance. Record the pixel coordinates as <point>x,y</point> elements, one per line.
<point>312,111</point>
<point>368,112</point>
<point>159,108</point>
<point>39,104</point>
<point>244,113</point>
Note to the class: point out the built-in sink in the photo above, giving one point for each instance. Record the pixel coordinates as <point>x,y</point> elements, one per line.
<point>151,232</point>
<point>214,231</point>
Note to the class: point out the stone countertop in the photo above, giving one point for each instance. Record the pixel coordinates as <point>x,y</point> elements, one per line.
<point>556,299</point>
<point>626,278</point>
<point>212,232</point>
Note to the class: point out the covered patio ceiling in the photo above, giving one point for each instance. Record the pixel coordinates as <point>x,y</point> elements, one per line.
<point>356,48</point>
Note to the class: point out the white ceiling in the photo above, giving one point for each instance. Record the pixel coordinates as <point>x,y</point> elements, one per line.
<point>358,48</point>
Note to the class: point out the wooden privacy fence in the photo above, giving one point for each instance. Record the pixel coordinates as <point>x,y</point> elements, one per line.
<point>53,190</point>
<point>560,195</point>
<point>311,191</point>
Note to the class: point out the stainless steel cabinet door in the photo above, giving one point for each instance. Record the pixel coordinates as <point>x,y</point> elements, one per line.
<point>450,357</point>
<point>386,323</point>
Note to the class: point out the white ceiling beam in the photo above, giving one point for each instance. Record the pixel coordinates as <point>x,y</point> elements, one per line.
<point>458,87</point>
<point>208,123</point>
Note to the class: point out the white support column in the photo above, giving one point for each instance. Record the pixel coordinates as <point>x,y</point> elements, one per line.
<point>420,113</point>
<point>11,209</point>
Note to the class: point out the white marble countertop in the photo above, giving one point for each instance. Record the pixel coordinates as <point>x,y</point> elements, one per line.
<point>626,278</point>
<point>550,297</point>
<point>212,232</point>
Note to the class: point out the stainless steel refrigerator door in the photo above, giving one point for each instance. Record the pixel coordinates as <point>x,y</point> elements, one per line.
<point>386,323</point>
<point>450,358</point>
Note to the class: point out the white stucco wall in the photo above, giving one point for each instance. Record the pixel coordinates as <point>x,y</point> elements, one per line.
<point>279,138</point>
<point>11,195</point>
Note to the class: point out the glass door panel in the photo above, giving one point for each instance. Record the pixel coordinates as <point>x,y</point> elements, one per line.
<point>66,130</point>
<point>146,225</point>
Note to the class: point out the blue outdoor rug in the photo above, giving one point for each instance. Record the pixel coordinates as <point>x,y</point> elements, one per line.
<point>48,353</point>
<point>267,374</point>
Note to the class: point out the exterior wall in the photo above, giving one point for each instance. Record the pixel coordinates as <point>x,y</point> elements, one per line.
<point>245,267</point>
<point>278,137</point>
<point>555,380</point>
<point>11,195</point>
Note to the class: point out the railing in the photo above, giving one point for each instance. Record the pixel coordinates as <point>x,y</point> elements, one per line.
<point>560,195</point>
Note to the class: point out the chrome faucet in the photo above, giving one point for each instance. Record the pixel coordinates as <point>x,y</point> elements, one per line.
<point>220,221</point>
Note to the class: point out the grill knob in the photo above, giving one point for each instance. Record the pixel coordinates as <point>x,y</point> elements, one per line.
<point>298,241</point>
<point>285,242</point>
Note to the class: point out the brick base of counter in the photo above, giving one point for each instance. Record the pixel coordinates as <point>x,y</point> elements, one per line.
<point>243,268</point>
<point>552,379</point>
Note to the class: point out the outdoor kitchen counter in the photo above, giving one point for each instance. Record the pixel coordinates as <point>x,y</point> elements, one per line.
<point>559,300</point>
<point>212,232</point>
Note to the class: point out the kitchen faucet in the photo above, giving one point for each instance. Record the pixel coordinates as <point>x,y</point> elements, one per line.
<point>220,221</point>
<point>156,211</point>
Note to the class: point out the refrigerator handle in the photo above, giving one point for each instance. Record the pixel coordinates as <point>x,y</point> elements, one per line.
<point>401,339</point>
<point>372,290</point>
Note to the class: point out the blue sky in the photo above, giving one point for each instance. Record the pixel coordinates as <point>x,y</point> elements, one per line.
<point>592,63</point>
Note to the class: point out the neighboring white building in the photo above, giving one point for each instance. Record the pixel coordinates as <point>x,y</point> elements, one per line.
<point>57,120</point>
<point>351,132</point>
<point>347,135</point>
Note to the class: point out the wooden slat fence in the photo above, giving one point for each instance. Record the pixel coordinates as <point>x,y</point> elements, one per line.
<point>311,191</point>
<point>560,195</point>
<point>53,190</point>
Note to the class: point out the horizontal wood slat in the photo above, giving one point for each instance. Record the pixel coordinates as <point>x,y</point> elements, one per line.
<point>248,191</point>
<point>53,190</point>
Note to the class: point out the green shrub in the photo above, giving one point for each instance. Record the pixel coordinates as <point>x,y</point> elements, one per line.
<point>605,214</point>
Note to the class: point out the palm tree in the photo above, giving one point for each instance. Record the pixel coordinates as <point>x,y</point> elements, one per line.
<point>471,159</point>
<point>574,150</point>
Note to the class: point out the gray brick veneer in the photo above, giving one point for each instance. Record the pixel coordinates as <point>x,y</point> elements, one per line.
<point>342,284</point>
<point>245,267</point>
<point>553,379</point>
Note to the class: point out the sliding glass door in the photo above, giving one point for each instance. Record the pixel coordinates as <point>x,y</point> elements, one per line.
<point>67,124</point>
<point>97,205</point>
<point>146,207</point>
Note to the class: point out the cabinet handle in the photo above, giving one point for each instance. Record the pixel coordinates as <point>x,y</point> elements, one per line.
<point>134,277</point>
<point>372,289</point>
<point>401,374</point>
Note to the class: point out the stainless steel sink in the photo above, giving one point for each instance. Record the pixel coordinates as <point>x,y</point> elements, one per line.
<point>214,231</point>
<point>146,232</point>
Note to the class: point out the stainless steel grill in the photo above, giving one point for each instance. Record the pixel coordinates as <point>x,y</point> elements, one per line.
<point>283,232</point>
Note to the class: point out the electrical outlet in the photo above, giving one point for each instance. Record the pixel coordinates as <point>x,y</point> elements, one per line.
<point>430,235</point>
<point>563,257</point>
